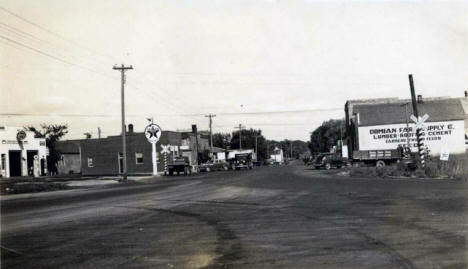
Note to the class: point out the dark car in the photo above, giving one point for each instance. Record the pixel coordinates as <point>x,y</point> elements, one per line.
<point>216,165</point>
<point>328,161</point>
<point>180,165</point>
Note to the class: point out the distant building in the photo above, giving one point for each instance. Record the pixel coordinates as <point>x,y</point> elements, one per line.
<point>382,124</point>
<point>70,158</point>
<point>277,155</point>
<point>21,153</point>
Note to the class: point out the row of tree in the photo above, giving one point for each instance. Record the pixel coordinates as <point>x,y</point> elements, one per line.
<point>326,136</point>
<point>253,139</point>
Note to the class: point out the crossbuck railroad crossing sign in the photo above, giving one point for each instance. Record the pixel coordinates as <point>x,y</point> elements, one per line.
<point>420,120</point>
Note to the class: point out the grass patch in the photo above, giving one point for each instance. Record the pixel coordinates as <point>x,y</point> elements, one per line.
<point>455,168</point>
<point>29,187</point>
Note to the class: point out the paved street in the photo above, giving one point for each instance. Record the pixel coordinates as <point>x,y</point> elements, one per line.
<point>269,217</point>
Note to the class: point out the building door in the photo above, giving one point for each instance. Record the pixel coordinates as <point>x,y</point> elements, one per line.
<point>120,163</point>
<point>14,157</point>
<point>43,166</point>
<point>30,160</point>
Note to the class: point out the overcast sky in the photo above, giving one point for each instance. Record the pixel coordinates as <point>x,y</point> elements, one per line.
<point>281,66</point>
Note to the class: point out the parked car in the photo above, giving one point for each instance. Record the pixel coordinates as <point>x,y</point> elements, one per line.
<point>213,165</point>
<point>241,160</point>
<point>180,165</point>
<point>328,161</point>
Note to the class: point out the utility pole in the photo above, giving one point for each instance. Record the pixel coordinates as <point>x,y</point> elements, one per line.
<point>407,127</point>
<point>268,149</point>
<point>416,114</point>
<point>211,132</point>
<point>256,149</point>
<point>99,132</point>
<point>122,70</point>
<point>240,135</point>
<point>291,149</point>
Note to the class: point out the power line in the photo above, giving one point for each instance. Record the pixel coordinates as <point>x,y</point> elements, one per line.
<point>28,36</point>
<point>55,34</point>
<point>73,64</point>
<point>53,57</point>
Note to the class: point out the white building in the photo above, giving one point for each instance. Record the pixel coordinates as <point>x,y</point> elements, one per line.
<point>277,156</point>
<point>21,154</point>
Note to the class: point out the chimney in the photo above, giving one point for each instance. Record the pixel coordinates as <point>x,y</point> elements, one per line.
<point>130,128</point>
<point>420,99</point>
<point>194,128</point>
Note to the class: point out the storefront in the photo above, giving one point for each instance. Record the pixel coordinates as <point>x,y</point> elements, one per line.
<point>21,154</point>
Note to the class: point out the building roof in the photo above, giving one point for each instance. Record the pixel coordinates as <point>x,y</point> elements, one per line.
<point>394,112</point>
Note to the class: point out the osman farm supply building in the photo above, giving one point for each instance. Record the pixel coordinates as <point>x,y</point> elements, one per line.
<point>381,124</point>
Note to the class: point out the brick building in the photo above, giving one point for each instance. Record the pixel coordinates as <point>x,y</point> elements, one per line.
<point>104,156</point>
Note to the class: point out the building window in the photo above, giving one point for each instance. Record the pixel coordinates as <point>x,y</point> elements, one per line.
<point>139,158</point>
<point>90,162</point>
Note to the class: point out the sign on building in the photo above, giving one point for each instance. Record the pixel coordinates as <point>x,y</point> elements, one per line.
<point>437,135</point>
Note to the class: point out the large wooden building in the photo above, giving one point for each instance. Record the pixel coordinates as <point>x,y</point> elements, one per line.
<point>381,124</point>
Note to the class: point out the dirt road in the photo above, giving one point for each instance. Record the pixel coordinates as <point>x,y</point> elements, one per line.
<point>270,217</point>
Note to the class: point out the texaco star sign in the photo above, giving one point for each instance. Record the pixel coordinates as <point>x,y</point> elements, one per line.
<point>153,133</point>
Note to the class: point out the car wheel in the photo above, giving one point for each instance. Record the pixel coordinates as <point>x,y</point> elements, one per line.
<point>225,168</point>
<point>380,163</point>
<point>208,169</point>
<point>327,166</point>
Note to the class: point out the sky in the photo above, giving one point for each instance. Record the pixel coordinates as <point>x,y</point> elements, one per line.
<point>280,66</point>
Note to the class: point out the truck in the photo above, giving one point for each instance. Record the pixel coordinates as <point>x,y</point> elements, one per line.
<point>180,165</point>
<point>241,160</point>
<point>379,157</point>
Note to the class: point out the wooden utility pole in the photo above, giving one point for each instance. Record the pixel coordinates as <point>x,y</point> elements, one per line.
<point>240,127</point>
<point>99,132</point>
<point>122,70</point>
<point>256,148</point>
<point>416,114</point>
<point>211,132</point>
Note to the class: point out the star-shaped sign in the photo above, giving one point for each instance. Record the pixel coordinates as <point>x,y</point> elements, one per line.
<point>153,133</point>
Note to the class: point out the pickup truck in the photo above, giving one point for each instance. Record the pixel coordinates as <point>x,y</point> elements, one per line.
<point>180,165</point>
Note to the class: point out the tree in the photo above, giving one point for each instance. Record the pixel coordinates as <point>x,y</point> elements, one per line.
<point>52,133</point>
<point>221,140</point>
<point>325,136</point>
<point>248,142</point>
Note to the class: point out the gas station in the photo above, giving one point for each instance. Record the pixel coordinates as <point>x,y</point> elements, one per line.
<point>21,154</point>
